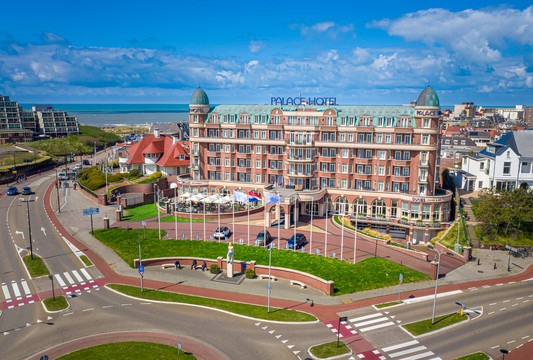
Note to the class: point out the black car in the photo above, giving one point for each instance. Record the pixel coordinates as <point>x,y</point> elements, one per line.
<point>26,190</point>
<point>300,241</point>
<point>260,239</point>
<point>281,222</point>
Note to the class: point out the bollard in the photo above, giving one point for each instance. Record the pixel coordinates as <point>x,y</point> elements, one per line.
<point>494,266</point>
<point>478,261</point>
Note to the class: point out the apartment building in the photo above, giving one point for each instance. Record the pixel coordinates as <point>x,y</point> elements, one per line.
<point>379,163</point>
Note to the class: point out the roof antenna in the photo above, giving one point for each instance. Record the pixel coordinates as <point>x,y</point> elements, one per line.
<point>429,82</point>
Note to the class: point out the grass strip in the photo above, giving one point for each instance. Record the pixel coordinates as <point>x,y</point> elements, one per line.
<point>141,212</point>
<point>329,349</point>
<point>371,273</point>
<point>425,326</point>
<point>255,311</point>
<point>59,303</point>
<point>36,267</point>
<point>475,356</point>
<point>180,219</point>
<point>384,305</point>
<point>129,350</point>
<point>86,260</point>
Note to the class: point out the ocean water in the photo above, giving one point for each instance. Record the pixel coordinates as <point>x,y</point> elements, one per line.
<point>104,115</point>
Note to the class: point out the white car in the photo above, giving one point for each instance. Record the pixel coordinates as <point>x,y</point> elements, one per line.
<point>221,232</point>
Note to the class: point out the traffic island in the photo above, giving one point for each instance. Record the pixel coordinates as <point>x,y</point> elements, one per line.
<point>36,267</point>
<point>55,304</point>
<point>328,350</point>
<point>241,309</point>
<point>475,356</point>
<point>441,322</point>
<point>86,260</point>
<point>132,350</point>
<point>389,304</point>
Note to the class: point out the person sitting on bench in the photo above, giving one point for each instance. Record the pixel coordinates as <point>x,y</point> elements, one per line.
<point>177,264</point>
<point>204,266</point>
<point>194,265</point>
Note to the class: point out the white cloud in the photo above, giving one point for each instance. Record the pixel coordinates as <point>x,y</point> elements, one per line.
<point>329,28</point>
<point>255,46</point>
<point>476,35</point>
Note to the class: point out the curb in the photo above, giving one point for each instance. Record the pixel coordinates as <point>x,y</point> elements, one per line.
<point>57,311</point>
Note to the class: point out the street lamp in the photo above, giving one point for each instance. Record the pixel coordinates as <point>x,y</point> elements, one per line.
<point>436,286</point>
<point>157,209</point>
<point>269,287</point>
<point>51,277</point>
<point>504,352</point>
<point>29,223</point>
<point>57,192</point>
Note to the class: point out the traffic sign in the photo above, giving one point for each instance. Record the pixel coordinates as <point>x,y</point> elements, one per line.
<point>269,287</point>
<point>91,211</point>
<point>179,345</point>
<point>141,269</point>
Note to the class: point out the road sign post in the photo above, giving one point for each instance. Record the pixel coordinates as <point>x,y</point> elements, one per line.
<point>341,319</point>
<point>51,277</point>
<point>91,211</point>
<point>400,287</point>
<point>141,272</point>
<point>179,347</point>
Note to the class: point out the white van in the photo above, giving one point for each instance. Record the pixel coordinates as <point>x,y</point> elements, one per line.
<point>62,176</point>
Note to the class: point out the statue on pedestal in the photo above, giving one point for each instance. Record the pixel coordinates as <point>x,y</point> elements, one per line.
<point>230,261</point>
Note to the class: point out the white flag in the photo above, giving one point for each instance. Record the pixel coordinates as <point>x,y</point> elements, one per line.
<point>271,198</point>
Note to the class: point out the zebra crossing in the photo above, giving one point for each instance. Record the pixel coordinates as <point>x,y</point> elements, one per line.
<point>371,322</point>
<point>18,296</point>
<point>411,350</point>
<point>73,281</point>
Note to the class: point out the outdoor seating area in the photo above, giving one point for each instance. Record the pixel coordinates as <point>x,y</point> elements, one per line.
<point>213,204</point>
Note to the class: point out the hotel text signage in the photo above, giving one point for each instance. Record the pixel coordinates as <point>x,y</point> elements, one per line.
<point>303,101</point>
<point>428,112</point>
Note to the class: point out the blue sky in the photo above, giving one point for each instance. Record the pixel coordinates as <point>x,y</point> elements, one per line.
<point>361,52</point>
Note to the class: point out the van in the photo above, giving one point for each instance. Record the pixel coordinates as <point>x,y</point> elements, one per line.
<point>62,176</point>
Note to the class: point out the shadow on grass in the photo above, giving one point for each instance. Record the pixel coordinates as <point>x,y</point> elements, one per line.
<point>444,318</point>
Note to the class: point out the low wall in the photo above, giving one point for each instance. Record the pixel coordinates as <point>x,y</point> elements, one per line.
<point>310,280</point>
<point>413,253</point>
<point>464,258</point>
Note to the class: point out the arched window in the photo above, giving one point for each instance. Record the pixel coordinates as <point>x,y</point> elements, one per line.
<point>379,208</point>
<point>342,205</point>
<point>360,207</point>
<point>224,192</point>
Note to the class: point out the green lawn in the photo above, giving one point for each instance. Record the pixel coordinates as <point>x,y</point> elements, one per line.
<point>329,349</point>
<point>425,326</point>
<point>36,267</point>
<point>181,219</point>
<point>59,303</point>
<point>451,237</point>
<point>255,311</point>
<point>141,212</point>
<point>131,350</point>
<point>86,260</point>
<point>475,356</point>
<point>371,273</point>
<point>384,305</point>
<point>523,238</point>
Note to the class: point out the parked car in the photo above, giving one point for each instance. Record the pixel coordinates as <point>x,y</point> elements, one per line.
<point>26,190</point>
<point>12,191</point>
<point>280,222</point>
<point>86,162</point>
<point>260,239</point>
<point>300,241</point>
<point>62,176</point>
<point>78,167</point>
<point>221,232</point>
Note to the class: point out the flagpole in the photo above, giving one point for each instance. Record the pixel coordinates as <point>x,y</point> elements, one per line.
<point>233,206</point>
<point>219,218</point>
<point>175,213</point>
<point>295,221</point>
<point>311,236</point>
<point>342,232</point>
<point>204,220</point>
<point>264,220</point>
<point>279,221</point>
<point>326,241</point>
<point>190,210</point>
<point>248,197</point>
<point>355,236</point>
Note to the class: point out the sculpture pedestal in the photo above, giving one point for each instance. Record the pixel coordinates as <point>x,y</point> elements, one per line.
<point>229,270</point>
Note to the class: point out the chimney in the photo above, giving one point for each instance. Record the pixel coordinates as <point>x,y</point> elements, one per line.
<point>156,133</point>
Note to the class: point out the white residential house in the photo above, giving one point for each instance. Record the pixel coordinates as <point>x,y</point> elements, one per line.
<point>505,164</point>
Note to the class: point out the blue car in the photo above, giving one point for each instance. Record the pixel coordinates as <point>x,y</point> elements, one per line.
<point>300,241</point>
<point>26,190</point>
<point>12,191</point>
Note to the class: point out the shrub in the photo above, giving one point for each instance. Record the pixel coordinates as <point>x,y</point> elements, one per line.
<point>95,184</point>
<point>249,273</point>
<point>113,163</point>
<point>155,175</point>
<point>214,269</point>
<point>114,178</point>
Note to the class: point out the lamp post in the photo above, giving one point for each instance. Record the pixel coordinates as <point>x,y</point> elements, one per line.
<point>504,352</point>
<point>51,277</point>
<point>269,287</point>
<point>57,192</point>
<point>157,209</point>
<point>175,213</point>
<point>436,286</point>
<point>355,238</point>
<point>29,224</point>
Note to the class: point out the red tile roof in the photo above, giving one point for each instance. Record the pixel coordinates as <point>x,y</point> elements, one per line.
<point>150,145</point>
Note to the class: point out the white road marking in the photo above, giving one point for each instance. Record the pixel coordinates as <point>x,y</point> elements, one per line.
<point>69,278</point>
<point>492,312</point>
<point>86,274</point>
<point>60,280</point>
<point>399,346</point>
<point>504,301</point>
<point>126,304</point>
<point>419,356</point>
<point>68,314</point>
<point>25,287</point>
<point>494,347</point>
<point>525,337</point>
<point>408,351</point>
<point>373,321</point>
<point>376,326</point>
<point>525,301</point>
<point>88,309</point>
<point>107,306</point>
<point>514,305</point>
<point>146,303</point>
<point>431,297</point>
<point>5,289</point>
<point>510,342</point>
<point>365,317</point>
<point>78,277</point>
<point>519,298</point>
<point>492,304</point>
<point>16,290</point>
<point>499,284</point>
<point>502,309</point>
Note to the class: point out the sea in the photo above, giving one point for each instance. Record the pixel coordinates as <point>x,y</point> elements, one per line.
<point>111,115</point>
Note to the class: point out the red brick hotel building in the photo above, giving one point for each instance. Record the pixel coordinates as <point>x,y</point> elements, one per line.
<point>379,163</point>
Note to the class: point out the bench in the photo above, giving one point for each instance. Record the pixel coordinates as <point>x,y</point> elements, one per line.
<point>299,283</point>
<point>166,266</point>
<point>265,276</point>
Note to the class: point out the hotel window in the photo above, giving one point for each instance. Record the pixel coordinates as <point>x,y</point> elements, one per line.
<point>396,171</point>
<point>405,171</point>
<point>407,139</point>
<point>258,178</point>
<point>325,152</point>
<point>263,134</point>
<point>369,138</point>
<point>381,186</point>
<point>344,168</point>
<point>258,164</point>
<point>506,168</point>
<point>426,211</point>
<point>389,122</point>
<point>345,153</point>
<point>214,118</point>
<point>344,183</point>
<point>398,139</point>
<point>381,170</point>
<point>382,155</point>
<point>436,212</point>
<point>263,119</point>
<point>359,169</point>
<point>404,122</point>
<point>426,123</point>
<point>368,154</point>
<point>228,176</point>
<point>343,121</point>
<point>379,138</point>
<point>368,169</point>
<point>211,133</point>
<point>232,119</point>
<point>195,132</point>
<point>387,138</point>
<point>381,122</point>
<point>395,187</point>
<point>276,119</point>
<point>342,137</point>
<point>332,168</point>
<point>332,152</point>
<point>350,137</point>
<point>425,139</point>
<point>423,158</point>
<point>332,183</point>
<point>256,134</point>
<point>366,121</point>
<point>406,155</point>
<point>330,121</point>
<point>405,188</point>
<point>415,211</point>
<point>232,134</point>
<point>360,138</point>
<point>258,149</point>
<point>351,121</point>
<point>394,209</point>
<point>367,185</point>
<point>256,119</point>
<point>226,162</point>
<point>195,119</point>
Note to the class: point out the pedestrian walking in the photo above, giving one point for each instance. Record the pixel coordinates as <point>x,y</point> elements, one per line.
<point>194,265</point>
<point>204,266</point>
<point>177,265</point>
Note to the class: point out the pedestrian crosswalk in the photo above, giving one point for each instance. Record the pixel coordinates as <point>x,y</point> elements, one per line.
<point>343,330</point>
<point>411,350</point>
<point>15,292</point>
<point>371,322</point>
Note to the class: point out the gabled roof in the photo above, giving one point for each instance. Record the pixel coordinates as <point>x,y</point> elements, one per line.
<point>171,155</point>
<point>155,147</point>
<point>162,145</point>
<point>519,141</point>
